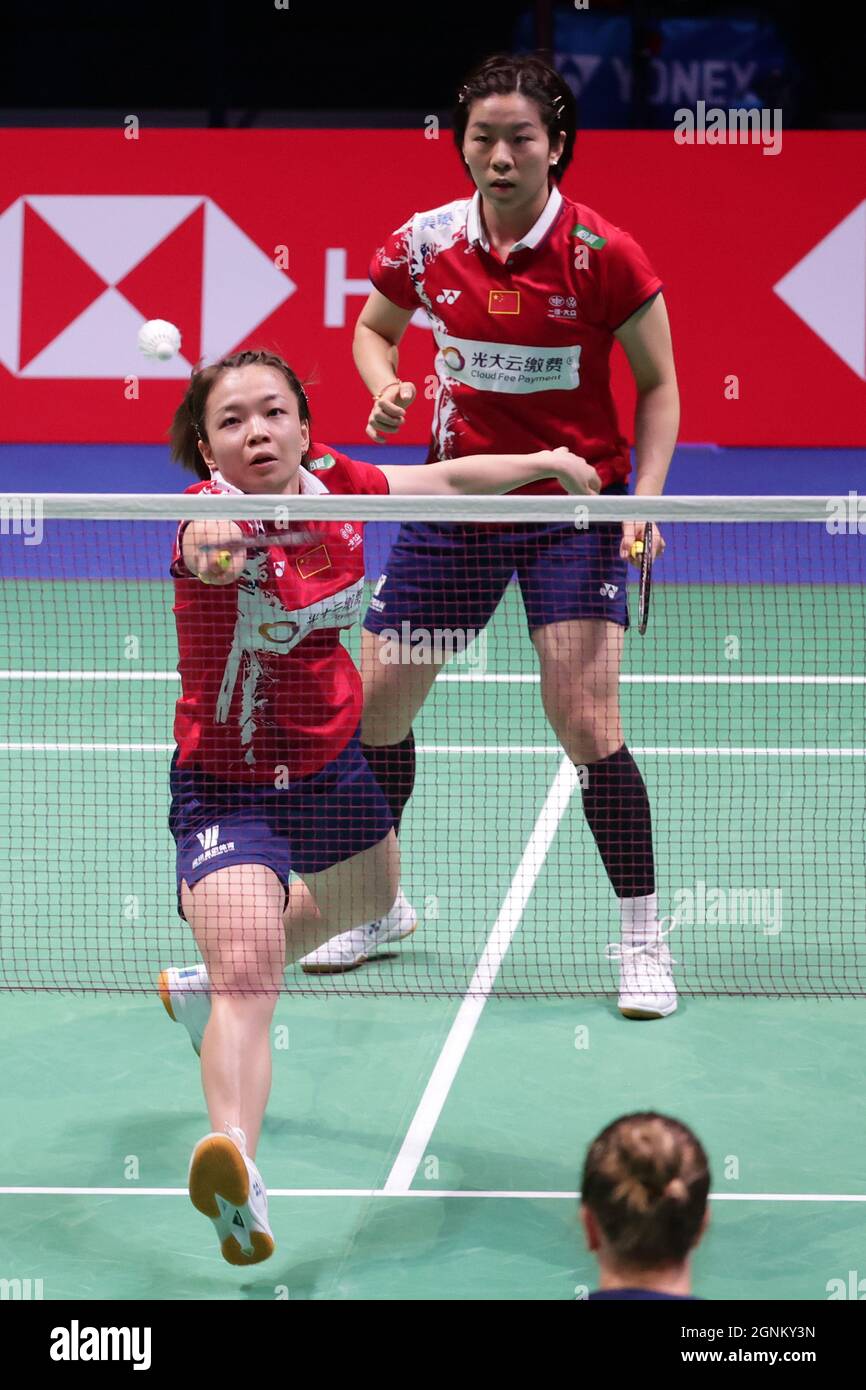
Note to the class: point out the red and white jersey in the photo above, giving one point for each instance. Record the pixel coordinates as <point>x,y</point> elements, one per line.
<point>267,688</point>
<point>523,345</point>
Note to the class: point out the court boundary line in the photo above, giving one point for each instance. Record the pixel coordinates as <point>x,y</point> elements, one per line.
<point>503,1194</point>
<point>540,749</point>
<point>441,1079</point>
<point>476,677</point>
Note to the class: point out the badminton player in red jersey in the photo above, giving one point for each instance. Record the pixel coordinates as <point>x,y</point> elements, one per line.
<point>526,292</point>
<point>268,779</point>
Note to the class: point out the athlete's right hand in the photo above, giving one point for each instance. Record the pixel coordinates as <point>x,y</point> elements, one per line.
<point>575,474</point>
<point>389,411</point>
<point>215,551</point>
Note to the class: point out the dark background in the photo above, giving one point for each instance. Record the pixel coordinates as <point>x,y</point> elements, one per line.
<point>246,63</point>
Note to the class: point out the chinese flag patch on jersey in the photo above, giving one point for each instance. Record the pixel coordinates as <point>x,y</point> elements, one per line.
<point>314,562</point>
<point>503,302</point>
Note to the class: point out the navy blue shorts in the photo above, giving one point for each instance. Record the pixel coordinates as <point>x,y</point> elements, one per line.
<point>310,825</point>
<point>454,575</point>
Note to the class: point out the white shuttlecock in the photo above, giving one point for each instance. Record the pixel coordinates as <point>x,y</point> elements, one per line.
<point>158,338</point>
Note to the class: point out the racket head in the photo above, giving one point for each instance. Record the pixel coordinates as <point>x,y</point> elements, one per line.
<point>645,580</point>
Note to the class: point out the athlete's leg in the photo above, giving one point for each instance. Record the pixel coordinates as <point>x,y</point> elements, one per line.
<point>236,915</point>
<point>580,663</point>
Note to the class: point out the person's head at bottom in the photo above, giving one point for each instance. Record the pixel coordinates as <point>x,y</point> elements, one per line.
<point>646,1180</point>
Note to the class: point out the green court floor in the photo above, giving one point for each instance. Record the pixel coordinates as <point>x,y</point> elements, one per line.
<point>430,1147</point>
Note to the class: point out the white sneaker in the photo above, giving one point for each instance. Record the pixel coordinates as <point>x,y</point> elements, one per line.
<point>226,1185</point>
<point>352,948</point>
<point>186,997</point>
<point>646,984</point>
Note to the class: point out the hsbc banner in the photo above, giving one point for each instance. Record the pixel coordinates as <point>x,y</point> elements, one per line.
<point>248,238</point>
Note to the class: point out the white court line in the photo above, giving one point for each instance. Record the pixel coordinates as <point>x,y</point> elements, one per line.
<point>89,675</point>
<point>664,679</point>
<point>365,1192</point>
<point>540,749</point>
<point>469,677</point>
<point>436,1091</point>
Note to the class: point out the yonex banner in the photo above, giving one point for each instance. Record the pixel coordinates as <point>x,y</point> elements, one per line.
<point>249,237</point>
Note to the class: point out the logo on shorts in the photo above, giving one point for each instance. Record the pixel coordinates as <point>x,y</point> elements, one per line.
<point>208,838</point>
<point>376,602</point>
<point>609,590</point>
<point>208,841</point>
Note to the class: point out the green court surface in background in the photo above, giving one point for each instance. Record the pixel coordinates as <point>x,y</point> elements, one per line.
<point>101,1092</point>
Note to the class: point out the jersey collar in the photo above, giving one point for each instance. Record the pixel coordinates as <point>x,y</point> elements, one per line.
<point>475,230</point>
<point>309,482</point>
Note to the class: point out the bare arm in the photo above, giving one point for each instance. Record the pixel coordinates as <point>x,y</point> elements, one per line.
<point>378,331</point>
<point>646,338</point>
<point>492,473</point>
<point>375,349</point>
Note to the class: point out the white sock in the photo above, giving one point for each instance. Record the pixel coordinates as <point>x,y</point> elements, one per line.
<point>639,917</point>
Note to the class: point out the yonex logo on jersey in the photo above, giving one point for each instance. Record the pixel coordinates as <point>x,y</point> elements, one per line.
<point>503,302</point>
<point>279,568</point>
<point>609,590</point>
<point>590,238</point>
<point>208,838</point>
<point>448,296</point>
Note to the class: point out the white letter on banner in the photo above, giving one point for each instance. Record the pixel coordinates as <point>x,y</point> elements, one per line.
<point>338,288</point>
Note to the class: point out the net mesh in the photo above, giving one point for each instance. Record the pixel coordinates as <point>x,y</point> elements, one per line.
<point>743,707</point>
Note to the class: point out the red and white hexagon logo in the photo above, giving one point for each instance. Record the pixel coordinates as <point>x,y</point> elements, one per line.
<point>79,274</point>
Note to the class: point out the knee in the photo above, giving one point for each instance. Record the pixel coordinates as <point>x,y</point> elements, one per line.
<point>588,730</point>
<point>248,974</point>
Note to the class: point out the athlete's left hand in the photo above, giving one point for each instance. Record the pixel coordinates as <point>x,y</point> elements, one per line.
<point>634,531</point>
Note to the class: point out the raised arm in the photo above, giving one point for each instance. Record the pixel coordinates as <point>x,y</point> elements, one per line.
<point>378,331</point>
